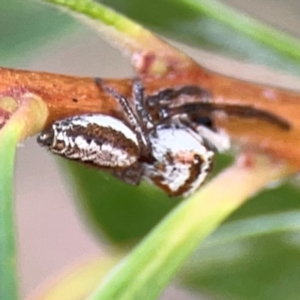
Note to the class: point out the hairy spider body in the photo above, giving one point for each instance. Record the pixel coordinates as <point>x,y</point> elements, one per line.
<point>169,153</point>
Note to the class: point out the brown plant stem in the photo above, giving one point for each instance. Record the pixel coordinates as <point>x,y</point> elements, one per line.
<point>67,96</point>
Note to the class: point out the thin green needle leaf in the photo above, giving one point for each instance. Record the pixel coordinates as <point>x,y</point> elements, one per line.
<point>8,275</point>
<point>147,271</point>
<point>254,227</point>
<point>258,31</point>
<point>246,259</point>
<point>129,36</point>
<point>24,120</point>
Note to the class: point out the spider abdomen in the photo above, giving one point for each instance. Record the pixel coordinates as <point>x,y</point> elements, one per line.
<point>97,139</point>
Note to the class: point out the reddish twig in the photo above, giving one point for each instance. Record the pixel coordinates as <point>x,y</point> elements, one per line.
<point>68,96</point>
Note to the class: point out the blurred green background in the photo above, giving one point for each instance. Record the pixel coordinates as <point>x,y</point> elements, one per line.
<point>54,230</point>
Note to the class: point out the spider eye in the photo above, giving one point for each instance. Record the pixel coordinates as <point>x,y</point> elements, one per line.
<point>197,158</point>
<point>45,139</point>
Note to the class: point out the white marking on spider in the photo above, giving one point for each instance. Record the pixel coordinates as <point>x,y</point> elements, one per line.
<point>177,150</point>
<point>92,138</point>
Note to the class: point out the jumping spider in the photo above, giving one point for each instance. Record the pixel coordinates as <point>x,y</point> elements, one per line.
<point>170,146</point>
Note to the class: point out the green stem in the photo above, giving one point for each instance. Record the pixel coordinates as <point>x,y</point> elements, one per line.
<point>97,11</point>
<point>8,273</point>
<point>257,30</point>
<point>148,269</point>
<point>254,227</point>
<point>128,36</point>
<point>25,120</point>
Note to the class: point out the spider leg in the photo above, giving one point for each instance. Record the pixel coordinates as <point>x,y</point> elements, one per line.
<point>138,96</point>
<point>164,97</point>
<point>245,111</point>
<point>136,124</point>
<point>203,126</point>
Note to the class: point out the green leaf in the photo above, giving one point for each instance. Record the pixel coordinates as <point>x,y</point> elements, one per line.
<point>198,23</point>
<point>78,280</point>
<point>20,118</point>
<point>8,276</point>
<point>25,25</point>
<point>255,258</point>
<point>148,269</point>
<point>242,256</point>
<point>211,25</point>
<point>121,212</point>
